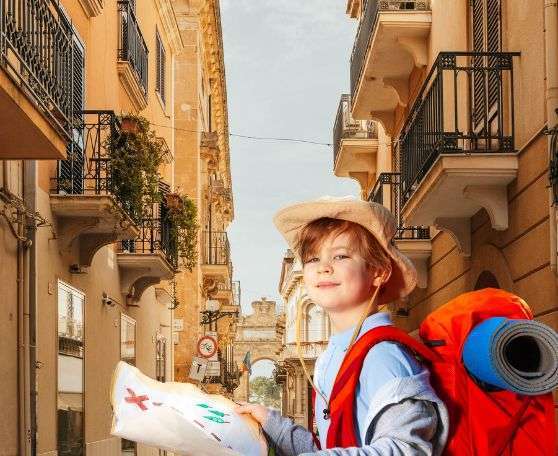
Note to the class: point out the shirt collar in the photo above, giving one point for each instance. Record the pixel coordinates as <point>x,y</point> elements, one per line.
<point>342,339</point>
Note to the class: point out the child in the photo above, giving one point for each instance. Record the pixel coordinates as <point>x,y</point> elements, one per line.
<point>350,267</point>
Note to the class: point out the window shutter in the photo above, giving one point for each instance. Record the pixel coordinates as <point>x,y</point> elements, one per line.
<point>161,62</point>
<point>71,170</point>
<point>486,34</point>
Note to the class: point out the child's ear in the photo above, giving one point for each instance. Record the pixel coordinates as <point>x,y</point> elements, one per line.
<point>381,279</point>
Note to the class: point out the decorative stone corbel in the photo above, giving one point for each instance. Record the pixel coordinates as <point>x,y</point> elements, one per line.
<point>494,199</point>
<point>401,87</point>
<point>417,47</point>
<point>460,231</point>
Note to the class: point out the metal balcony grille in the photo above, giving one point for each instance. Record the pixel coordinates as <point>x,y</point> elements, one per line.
<point>36,51</point>
<point>87,168</point>
<point>449,114</point>
<point>132,45</point>
<point>346,127</point>
<point>387,192</point>
<point>216,249</point>
<point>155,237</point>
<point>366,30</point>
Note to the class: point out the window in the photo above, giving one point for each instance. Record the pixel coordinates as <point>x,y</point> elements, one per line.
<point>161,359</point>
<point>70,404</point>
<point>314,324</point>
<point>128,339</point>
<point>161,62</point>
<point>128,354</point>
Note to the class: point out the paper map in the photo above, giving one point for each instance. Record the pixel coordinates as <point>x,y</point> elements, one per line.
<point>179,417</point>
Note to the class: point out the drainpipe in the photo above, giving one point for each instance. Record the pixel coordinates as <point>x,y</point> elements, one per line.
<point>551,57</point>
<point>23,352</point>
<point>30,197</point>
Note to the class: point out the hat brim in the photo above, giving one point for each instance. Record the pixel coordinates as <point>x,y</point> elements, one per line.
<point>373,217</point>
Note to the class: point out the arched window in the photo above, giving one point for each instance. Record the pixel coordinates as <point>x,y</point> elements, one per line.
<point>314,323</point>
<point>486,280</point>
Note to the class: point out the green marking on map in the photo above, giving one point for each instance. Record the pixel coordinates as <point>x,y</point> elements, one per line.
<point>215,418</point>
<point>216,412</point>
<point>203,405</point>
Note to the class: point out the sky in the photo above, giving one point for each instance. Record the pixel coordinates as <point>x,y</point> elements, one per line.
<point>287,64</point>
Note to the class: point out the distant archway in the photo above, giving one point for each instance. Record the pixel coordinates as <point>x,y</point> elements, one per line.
<point>486,280</point>
<point>256,333</point>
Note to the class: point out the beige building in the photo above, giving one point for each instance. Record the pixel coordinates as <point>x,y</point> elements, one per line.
<point>86,280</point>
<point>314,335</point>
<point>451,123</point>
<point>211,298</point>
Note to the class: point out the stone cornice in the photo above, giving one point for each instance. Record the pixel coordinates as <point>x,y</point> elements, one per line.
<point>170,26</point>
<point>210,18</point>
<point>92,7</point>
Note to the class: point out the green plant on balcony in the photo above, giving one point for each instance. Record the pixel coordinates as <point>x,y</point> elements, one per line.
<point>184,230</point>
<point>135,155</point>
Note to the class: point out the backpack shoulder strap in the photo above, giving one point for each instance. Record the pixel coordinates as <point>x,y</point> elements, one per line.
<point>341,432</point>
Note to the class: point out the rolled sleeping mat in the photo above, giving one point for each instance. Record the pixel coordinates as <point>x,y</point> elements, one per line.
<point>514,355</point>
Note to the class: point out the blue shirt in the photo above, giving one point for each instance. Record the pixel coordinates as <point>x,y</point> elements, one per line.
<point>384,362</point>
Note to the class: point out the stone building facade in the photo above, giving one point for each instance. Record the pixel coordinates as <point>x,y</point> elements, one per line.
<point>451,123</point>
<point>83,283</point>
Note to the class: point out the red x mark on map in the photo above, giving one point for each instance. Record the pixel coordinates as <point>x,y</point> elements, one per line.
<point>133,399</point>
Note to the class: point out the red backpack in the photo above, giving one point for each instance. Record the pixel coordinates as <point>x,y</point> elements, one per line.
<point>482,423</point>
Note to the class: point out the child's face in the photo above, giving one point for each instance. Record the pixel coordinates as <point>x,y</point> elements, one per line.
<point>337,277</point>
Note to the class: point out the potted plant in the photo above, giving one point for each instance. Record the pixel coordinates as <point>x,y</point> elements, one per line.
<point>129,124</point>
<point>134,162</point>
<point>174,201</point>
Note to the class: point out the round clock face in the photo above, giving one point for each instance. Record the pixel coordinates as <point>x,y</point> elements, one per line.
<point>207,346</point>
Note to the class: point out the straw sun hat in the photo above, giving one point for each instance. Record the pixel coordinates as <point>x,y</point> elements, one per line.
<point>374,217</point>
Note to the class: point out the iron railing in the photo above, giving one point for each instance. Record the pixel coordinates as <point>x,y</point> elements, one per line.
<point>346,127</point>
<point>87,168</point>
<point>154,237</point>
<point>366,30</point>
<point>36,50</point>
<point>216,248</point>
<point>132,45</point>
<point>387,191</point>
<point>466,105</point>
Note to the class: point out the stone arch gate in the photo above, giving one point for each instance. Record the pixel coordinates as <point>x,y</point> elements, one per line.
<point>260,333</point>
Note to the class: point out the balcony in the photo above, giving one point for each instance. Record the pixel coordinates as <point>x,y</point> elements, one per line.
<point>391,41</point>
<point>355,145</point>
<point>309,350</point>
<point>37,61</point>
<point>89,216</point>
<point>413,241</point>
<point>149,258</point>
<point>457,148</point>
<point>132,62</point>
<point>216,260</point>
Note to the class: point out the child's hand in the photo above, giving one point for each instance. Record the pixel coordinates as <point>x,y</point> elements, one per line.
<point>258,412</point>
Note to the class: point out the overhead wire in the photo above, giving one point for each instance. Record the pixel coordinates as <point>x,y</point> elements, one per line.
<point>256,138</point>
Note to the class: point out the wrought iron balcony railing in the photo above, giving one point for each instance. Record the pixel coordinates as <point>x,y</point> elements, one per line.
<point>346,127</point>
<point>466,104</point>
<point>366,30</point>
<point>216,248</point>
<point>387,191</point>
<point>86,171</point>
<point>155,237</point>
<point>37,51</point>
<point>132,45</point>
